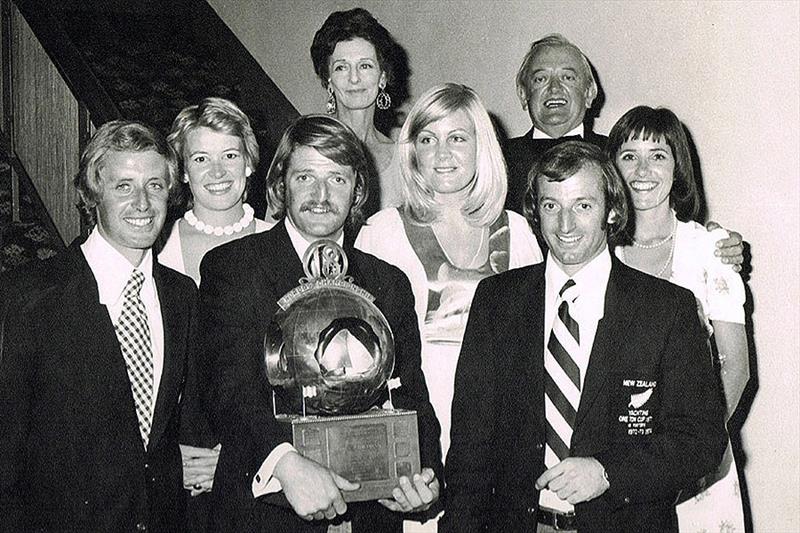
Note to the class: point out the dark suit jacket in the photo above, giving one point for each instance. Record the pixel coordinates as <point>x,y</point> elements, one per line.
<point>650,336</point>
<point>522,152</point>
<point>241,284</point>
<point>71,457</point>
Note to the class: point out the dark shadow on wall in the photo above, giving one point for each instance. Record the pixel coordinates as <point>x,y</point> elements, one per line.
<point>597,105</point>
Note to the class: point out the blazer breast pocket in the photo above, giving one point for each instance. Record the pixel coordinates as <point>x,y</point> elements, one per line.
<point>634,404</point>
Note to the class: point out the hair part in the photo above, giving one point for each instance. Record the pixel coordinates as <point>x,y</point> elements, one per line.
<point>487,191</point>
<point>117,136</point>
<point>660,124</point>
<point>332,139</point>
<point>552,40</point>
<point>564,161</point>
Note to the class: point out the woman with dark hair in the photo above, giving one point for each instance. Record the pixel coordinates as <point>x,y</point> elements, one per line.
<point>650,149</point>
<point>365,73</point>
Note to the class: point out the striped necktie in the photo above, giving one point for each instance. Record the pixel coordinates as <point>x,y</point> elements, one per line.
<point>133,333</point>
<point>562,379</point>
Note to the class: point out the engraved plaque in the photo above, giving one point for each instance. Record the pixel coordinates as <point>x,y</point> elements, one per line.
<point>374,448</point>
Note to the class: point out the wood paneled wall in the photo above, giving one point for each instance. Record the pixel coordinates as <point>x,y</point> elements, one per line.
<point>46,129</point>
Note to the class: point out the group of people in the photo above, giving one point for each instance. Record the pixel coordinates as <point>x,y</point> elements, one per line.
<point>561,372</point>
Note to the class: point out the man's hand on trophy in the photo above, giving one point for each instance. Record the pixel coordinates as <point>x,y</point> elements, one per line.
<point>313,491</point>
<point>414,495</point>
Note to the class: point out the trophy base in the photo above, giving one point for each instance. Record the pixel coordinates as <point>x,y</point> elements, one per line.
<point>373,448</point>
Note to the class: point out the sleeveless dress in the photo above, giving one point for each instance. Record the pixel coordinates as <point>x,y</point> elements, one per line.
<point>442,292</point>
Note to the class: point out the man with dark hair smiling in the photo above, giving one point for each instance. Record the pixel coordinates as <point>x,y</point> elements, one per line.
<point>585,397</point>
<point>317,185</point>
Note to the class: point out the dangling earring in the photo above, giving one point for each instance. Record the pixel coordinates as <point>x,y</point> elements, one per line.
<point>247,172</point>
<point>330,105</point>
<point>383,101</point>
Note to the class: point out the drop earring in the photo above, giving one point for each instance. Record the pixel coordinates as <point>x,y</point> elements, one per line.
<point>330,105</point>
<point>383,101</point>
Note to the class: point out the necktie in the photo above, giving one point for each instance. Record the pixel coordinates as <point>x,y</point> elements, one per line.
<point>562,379</point>
<point>133,333</point>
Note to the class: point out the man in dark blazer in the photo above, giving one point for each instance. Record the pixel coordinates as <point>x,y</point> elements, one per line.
<point>556,86</point>
<point>646,417</point>
<point>78,452</point>
<point>316,186</point>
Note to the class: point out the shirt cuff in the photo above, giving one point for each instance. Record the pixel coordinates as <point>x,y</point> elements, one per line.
<point>263,482</point>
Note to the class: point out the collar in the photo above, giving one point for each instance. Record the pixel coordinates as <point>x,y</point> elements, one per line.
<point>577,130</point>
<point>591,281</point>
<point>300,243</point>
<point>111,269</point>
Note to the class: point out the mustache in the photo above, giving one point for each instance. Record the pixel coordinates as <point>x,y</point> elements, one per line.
<point>308,206</point>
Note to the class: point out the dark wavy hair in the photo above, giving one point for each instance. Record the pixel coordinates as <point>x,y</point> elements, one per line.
<point>117,136</point>
<point>565,160</point>
<point>332,139</point>
<point>649,124</point>
<point>392,58</point>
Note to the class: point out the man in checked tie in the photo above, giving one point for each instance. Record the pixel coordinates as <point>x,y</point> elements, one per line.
<point>94,358</point>
<point>585,397</point>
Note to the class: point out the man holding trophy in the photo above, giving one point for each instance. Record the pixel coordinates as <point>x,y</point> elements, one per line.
<point>317,184</point>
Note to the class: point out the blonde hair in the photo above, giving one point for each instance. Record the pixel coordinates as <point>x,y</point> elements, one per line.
<point>487,192</point>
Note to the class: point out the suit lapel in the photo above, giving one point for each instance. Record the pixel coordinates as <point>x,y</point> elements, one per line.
<point>175,324</point>
<point>619,310</point>
<point>284,268</point>
<point>530,310</point>
<point>99,366</point>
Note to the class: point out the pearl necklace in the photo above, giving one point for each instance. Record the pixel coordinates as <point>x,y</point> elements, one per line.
<point>219,231</point>
<point>652,246</point>
<point>659,244</point>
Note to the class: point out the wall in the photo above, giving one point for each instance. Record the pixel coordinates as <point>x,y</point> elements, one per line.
<point>43,104</point>
<point>730,70</point>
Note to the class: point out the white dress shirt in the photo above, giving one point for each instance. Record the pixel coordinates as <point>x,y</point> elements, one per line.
<point>263,481</point>
<point>577,130</point>
<point>591,283</point>
<point>112,271</point>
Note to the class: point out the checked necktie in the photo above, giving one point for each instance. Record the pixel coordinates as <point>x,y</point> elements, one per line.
<point>133,333</point>
<point>562,379</point>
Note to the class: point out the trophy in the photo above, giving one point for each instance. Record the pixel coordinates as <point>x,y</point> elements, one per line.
<point>329,354</point>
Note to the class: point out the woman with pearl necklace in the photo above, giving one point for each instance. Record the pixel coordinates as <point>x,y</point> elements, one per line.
<point>218,152</point>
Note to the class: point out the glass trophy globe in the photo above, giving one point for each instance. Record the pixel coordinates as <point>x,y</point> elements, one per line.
<point>328,350</point>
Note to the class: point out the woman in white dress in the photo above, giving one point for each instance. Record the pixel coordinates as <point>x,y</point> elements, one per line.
<point>364,71</point>
<point>218,152</point>
<point>451,230</point>
<point>651,151</point>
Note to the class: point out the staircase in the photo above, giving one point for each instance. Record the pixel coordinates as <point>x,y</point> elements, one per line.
<point>71,65</point>
<point>30,238</point>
